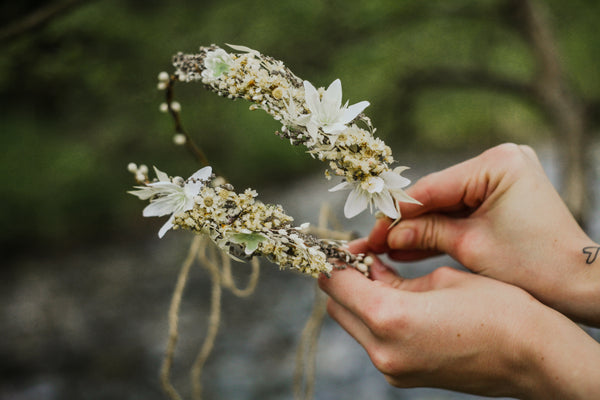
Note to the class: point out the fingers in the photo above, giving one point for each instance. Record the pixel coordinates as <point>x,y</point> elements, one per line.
<point>464,185</point>
<point>529,152</point>
<point>377,240</point>
<point>443,190</point>
<point>349,288</point>
<point>359,246</point>
<point>389,278</point>
<point>428,234</point>
<point>379,271</point>
<point>350,322</point>
<point>468,184</point>
<point>384,273</point>
<point>412,254</point>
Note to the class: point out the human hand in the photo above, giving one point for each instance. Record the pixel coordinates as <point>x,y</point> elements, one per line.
<point>499,216</point>
<point>463,332</point>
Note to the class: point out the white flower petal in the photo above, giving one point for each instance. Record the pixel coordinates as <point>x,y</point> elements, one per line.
<point>342,186</point>
<point>399,170</point>
<point>332,98</point>
<point>202,174</point>
<point>188,204</point>
<point>313,130</point>
<point>193,188</point>
<point>162,206</point>
<point>356,203</point>
<point>385,202</point>
<point>352,112</point>
<point>168,225</point>
<point>334,128</point>
<point>164,187</point>
<point>311,96</point>
<point>393,180</point>
<point>243,49</point>
<point>195,182</point>
<point>143,193</point>
<point>400,195</point>
<point>373,184</point>
<point>163,177</point>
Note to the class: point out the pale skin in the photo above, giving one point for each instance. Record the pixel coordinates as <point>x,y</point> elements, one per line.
<point>503,331</point>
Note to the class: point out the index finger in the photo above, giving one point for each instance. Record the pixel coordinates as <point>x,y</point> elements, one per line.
<point>354,291</point>
<point>457,187</point>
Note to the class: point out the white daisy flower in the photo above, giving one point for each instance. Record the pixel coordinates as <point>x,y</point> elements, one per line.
<point>171,196</point>
<point>327,112</point>
<point>383,191</point>
<point>216,63</point>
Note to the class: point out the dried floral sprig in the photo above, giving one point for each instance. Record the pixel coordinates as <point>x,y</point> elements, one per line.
<point>239,224</point>
<point>311,117</point>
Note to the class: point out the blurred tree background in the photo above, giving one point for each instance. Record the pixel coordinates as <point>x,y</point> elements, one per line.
<point>80,98</point>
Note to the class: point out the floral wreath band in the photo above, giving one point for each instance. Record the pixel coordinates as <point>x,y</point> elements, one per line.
<point>315,118</point>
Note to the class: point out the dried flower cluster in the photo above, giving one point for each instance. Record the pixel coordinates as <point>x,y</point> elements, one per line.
<point>311,117</point>
<point>239,224</point>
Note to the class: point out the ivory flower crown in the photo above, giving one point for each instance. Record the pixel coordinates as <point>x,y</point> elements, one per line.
<point>315,118</point>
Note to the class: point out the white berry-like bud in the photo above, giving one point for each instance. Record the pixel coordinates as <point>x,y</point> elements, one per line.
<point>175,106</point>
<point>179,139</point>
<point>161,85</point>
<point>163,76</point>
<point>131,167</point>
<point>143,169</point>
<point>164,107</point>
<point>362,267</point>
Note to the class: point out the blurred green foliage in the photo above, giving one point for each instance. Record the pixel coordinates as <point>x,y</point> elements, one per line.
<point>80,99</point>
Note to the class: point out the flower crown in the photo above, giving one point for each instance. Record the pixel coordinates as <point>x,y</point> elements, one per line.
<point>310,117</point>
<point>314,118</point>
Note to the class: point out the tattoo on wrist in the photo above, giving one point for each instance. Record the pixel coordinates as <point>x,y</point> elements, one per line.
<point>592,253</point>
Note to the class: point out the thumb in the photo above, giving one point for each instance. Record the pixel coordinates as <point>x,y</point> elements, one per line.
<point>386,276</point>
<point>429,233</point>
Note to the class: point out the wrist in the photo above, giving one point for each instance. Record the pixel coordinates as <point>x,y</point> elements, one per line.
<point>588,289</point>
<point>581,298</point>
<point>561,359</point>
<point>569,281</point>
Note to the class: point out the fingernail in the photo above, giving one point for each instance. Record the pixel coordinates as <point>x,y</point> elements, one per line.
<point>401,238</point>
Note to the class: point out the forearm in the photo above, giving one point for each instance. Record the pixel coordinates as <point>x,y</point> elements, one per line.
<point>563,360</point>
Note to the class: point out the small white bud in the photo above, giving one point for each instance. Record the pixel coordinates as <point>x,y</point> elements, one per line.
<point>362,267</point>
<point>161,85</point>
<point>178,181</point>
<point>140,177</point>
<point>179,139</point>
<point>218,181</point>
<point>175,106</point>
<point>163,77</point>
<point>164,107</point>
<point>368,260</point>
<point>143,169</point>
<point>131,167</point>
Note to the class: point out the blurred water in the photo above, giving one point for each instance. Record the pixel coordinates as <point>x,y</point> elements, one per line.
<point>92,324</point>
